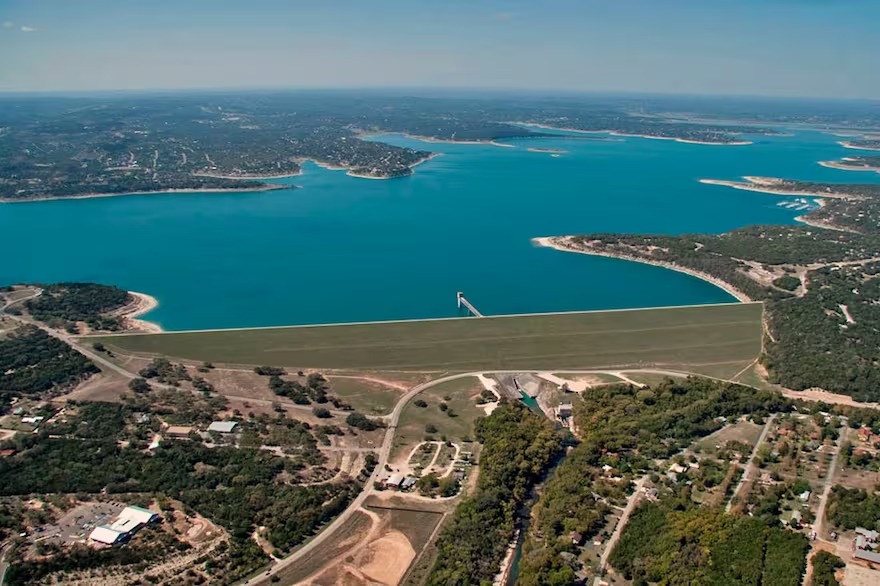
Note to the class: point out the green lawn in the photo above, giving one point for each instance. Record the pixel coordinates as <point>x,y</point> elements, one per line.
<point>680,336</point>
<point>462,395</point>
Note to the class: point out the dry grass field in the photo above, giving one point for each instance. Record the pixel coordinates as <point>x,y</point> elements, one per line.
<point>727,334</point>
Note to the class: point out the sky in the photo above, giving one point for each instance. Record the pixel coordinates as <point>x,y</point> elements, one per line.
<point>809,48</point>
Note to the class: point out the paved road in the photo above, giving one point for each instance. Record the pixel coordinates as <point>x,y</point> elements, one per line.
<point>384,453</point>
<point>385,450</point>
<point>750,468</point>
<point>3,564</point>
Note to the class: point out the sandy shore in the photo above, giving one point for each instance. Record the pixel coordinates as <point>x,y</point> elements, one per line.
<point>159,192</point>
<point>648,136</point>
<point>564,244</point>
<point>765,185</point>
<point>142,304</point>
<point>849,145</point>
<point>844,167</point>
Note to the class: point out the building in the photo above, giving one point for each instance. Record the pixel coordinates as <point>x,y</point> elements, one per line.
<point>394,481</point>
<point>408,482</point>
<point>130,519</point>
<point>106,535</point>
<point>869,535</point>
<point>866,555</point>
<point>178,431</point>
<point>223,426</point>
<point>564,411</point>
<point>136,517</point>
<point>677,468</point>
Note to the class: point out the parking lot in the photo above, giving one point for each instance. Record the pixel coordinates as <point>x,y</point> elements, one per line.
<point>76,524</point>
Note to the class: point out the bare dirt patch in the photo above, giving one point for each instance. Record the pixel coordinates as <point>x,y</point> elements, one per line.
<point>108,387</point>
<point>387,558</point>
<point>347,536</point>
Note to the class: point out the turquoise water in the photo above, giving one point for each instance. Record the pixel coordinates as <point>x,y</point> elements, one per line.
<point>348,249</point>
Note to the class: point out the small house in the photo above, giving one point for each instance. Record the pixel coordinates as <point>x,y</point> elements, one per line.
<point>394,481</point>
<point>178,431</point>
<point>408,483</point>
<point>869,535</point>
<point>576,538</point>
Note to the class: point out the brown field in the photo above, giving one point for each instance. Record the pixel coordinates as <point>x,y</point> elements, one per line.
<point>372,396</point>
<point>384,554</point>
<point>742,431</point>
<point>107,386</point>
<point>347,536</point>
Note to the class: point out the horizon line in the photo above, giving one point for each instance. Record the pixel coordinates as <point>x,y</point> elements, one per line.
<point>543,92</point>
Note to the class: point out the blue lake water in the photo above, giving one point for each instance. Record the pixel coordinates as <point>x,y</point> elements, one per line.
<point>348,249</point>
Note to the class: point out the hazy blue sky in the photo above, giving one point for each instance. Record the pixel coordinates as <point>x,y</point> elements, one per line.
<point>760,47</point>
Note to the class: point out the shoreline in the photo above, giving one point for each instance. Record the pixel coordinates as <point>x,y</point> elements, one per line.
<point>844,167</point>
<point>849,145</point>
<point>130,314</point>
<point>648,136</point>
<point>352,173</point>
<point>804,219</point>
<point>430,139</point>
<point>557,243</point>
<point>763,185</point>
<point>272,187</point>
<point>248,177</point>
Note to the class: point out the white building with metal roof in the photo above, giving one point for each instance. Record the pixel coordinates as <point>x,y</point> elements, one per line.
<point>223,426</point>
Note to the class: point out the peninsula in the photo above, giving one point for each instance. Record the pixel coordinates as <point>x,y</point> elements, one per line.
<point>819,282</point>
<point>863,145</point>
<point>854,164</point>
<point>193,143</point>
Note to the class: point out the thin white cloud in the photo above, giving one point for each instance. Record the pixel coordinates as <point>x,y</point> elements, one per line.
<point>28,29</point>
<point>8,24</point>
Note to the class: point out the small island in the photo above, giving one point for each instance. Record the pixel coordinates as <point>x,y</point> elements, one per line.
<point>543,150</point>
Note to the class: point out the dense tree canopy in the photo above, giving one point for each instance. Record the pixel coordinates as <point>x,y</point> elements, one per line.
<point>33,362</point>
<point>79,302</point>
<point>517,447</point>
